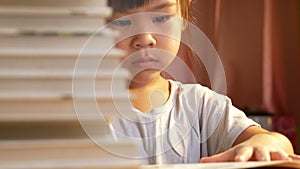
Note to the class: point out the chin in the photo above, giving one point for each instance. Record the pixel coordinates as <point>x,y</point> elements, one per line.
<point>145,76</point>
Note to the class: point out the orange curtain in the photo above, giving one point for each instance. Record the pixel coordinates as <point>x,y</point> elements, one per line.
<point>281,57</point>
<point>235,28</point>
<point>258,42</point>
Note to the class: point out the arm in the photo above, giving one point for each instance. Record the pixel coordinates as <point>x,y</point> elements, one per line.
<point>258,144</point>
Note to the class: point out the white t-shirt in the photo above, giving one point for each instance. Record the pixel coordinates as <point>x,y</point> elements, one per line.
<point>195,122</point>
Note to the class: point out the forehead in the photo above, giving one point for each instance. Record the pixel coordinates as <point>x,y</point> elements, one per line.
<point>136,6</point>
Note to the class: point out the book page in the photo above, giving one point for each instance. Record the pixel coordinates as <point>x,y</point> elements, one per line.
<point>227,165</point>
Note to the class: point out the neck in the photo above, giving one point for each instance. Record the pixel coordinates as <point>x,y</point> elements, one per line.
<point>149,94</point>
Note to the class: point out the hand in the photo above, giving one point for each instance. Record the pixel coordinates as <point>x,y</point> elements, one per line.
<point>245,153</point>
<point>260,147</point>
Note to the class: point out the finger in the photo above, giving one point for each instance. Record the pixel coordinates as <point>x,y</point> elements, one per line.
<point>294,157</point>
<point>243,154</point>
<point>261,154</point>
<point>279,155</point>
<point>222,157</point>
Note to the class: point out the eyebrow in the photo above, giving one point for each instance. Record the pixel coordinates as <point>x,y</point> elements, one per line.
<point>163,5</point>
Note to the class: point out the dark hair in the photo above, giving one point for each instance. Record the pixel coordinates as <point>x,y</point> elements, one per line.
<point>123,5</point>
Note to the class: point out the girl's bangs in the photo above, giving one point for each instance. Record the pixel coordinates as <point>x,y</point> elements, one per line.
<point>124,5</point>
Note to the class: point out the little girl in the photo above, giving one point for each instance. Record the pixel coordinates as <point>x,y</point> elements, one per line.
<point>175,122</point>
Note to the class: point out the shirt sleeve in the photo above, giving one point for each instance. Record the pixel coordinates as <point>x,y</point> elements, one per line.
<point>221,123</point>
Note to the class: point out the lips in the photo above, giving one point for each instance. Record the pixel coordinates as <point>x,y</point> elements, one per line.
<point>145,62</point>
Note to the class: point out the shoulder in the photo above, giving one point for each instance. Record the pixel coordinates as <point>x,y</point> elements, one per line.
<point>197,91</point>
<point>192,98</point>
<point>188,88</point>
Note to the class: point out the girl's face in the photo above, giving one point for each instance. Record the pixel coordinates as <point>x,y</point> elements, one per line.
<point>150,35</point>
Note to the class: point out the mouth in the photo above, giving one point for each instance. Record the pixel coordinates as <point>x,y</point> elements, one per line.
<point>145,62</point>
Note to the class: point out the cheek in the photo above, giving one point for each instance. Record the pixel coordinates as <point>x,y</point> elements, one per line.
<point>170,44</point>
<point>123,44</point>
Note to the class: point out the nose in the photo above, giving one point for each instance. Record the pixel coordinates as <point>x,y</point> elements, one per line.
<point>143,41</point>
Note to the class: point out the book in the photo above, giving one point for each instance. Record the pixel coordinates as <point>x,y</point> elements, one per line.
<point>37,81</point>
<point>49,129</point>
<point>46,60</point>
<point>43,107</point>
<point>51,23</point>
<point>56,42</point>
<point>53,15</point>
<point>58,3</point>
<point>55,11</point>
<point>228,165</point>
<point>67,153</point>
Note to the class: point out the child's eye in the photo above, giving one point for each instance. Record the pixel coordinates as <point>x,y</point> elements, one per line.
<point>123,22</point>
<point>161,19</point>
